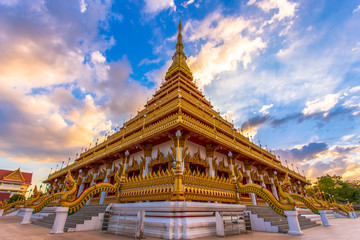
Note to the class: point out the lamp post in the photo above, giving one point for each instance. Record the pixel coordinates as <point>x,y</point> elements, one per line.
<point>232,166</point>
<point>178,194</point>
<point>127,153</point>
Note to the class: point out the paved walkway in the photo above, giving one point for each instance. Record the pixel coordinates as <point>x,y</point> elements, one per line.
<point>340,229</point>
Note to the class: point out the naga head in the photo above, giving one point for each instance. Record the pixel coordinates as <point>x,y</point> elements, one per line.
<point>318,194</point>
<point>240,177</point>
<point>35,192</point>
<point>69,181</point>
<point>285,186</point>
<point>117,178</point>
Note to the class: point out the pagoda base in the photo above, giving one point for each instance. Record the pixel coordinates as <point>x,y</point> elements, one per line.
<point>171,220</point>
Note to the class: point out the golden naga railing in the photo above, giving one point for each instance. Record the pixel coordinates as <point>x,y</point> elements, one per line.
<point>153,187</point>
<point>286,203</point>
<point>74,204</point>
<point>307,202</point>
<point>45,201</point>
<point>68,197</point>
<point>201,187</point>
<point>7,206</point>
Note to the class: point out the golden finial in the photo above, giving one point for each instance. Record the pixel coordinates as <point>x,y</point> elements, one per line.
<point>179,58</point>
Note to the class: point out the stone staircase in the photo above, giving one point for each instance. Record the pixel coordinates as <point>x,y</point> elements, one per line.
<point>11,212</point>
<point>85,213</point>
<point>275,219</point>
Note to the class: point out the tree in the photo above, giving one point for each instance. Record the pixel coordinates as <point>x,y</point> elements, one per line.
<point>342,191</point>
<point>15,197</point>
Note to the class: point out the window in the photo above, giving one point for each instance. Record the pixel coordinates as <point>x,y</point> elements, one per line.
<point>86,185</point>
<point>159,168</point>
<point>244,181</point>
<point>222,174</point>
<point>258,183</point>
<point>197,168</point>
<point>98,194</point>
<point>133,173</point>
<point>269,187</point>
<point>111,181</point>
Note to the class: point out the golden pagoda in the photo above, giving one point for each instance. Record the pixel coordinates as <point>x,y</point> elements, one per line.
<point>177,148</point>
<point>184,166</point>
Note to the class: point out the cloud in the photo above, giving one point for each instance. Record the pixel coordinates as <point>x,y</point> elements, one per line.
<point>265,109</point>
<point>356,9</point>
<point>147,61</point>
<point>303,153</point>
<point>83,6</point>
<point>185,4</point>
<point>319,159</point>
<point>225,45</point>
<point>57,91</point>
<point>251,125</point>
<point>321,105</point>
<point>156,6</point>
<point>285,8</point>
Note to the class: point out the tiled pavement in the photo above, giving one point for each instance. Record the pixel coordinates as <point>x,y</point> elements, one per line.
<point>340,229</point>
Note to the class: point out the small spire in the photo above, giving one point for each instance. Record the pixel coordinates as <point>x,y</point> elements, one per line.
<point>179,57</point>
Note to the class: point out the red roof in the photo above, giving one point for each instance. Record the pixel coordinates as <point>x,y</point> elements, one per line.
<point>4,196</point>
<point>27,176</point>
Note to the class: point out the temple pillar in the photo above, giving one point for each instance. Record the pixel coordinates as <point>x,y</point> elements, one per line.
<point>27,216</point>
<point>324,218</point>
<point>81,187</point>
<point>147,150</point>
<point>294,226</point>
<point>178,194</point>
<point>60,219</point>
<point>274,189</point>
<point>252,195</point>
<point>210,152</point>
<point>92,183</point>
<point>103,194</point>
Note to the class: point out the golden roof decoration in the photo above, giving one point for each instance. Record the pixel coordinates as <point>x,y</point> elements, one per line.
<point>221,167</point>
<point>15,175</point>
<point>197,159</point>
<point>179,58</point>
<point>134,166</point>
<point>161,159</point>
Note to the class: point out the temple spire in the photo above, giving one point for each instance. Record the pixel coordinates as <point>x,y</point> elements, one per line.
<point>179,57</point>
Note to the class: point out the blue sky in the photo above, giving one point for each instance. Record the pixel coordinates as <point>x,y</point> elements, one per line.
<point>285,72</point>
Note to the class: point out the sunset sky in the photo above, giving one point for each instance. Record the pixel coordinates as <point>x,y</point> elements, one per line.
<point>286,72</point>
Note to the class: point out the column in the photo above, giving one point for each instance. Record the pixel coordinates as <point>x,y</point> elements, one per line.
<point>182,143</point>
<point>27,216</point>
<point>294,226</point>
<point>274,189</point>
<point>147,150</point>
<point>210,152</point>
<point>60,219</point>
<point>253,196</point>
<point>103,194</point>
<point>324,218</point>
<point>81,187</point>
<point>92,183</point>
<point>178,194</point>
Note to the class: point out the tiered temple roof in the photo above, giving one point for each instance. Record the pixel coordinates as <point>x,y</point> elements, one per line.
<point>178,104</point>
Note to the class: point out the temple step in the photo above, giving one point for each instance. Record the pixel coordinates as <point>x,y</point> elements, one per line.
<point>85,213</point>
<point>266,213</point>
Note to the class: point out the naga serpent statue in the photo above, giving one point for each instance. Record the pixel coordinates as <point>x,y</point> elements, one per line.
<point>309,202</point>
<point>36,195</point>
<point>67,198</point>
<point>7,206</point>
<point>286,203</point>
<point>81,200</point>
